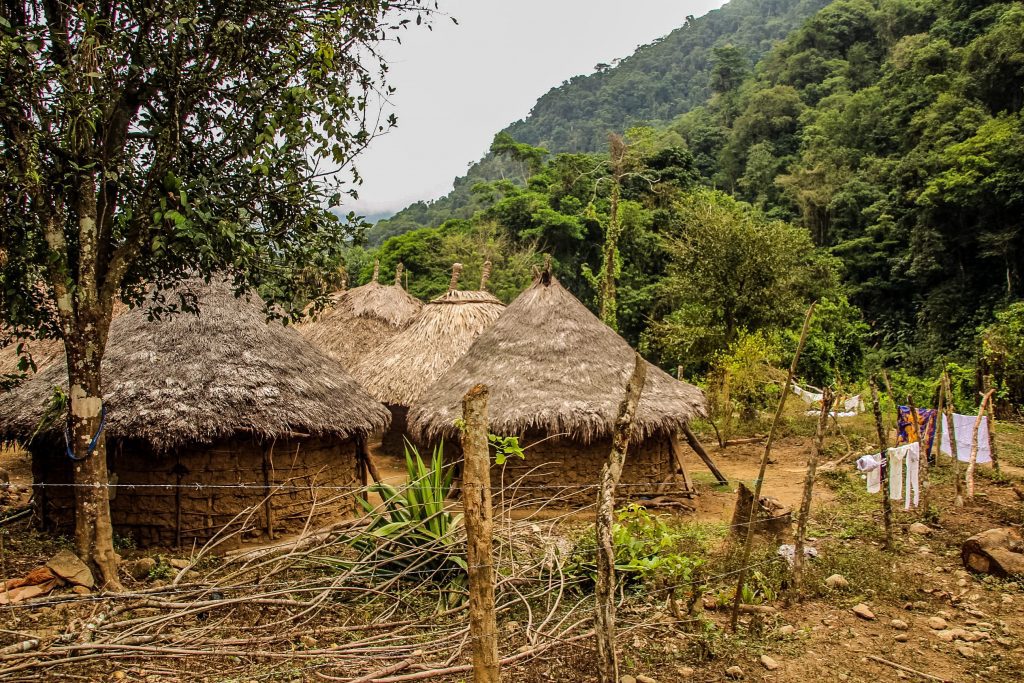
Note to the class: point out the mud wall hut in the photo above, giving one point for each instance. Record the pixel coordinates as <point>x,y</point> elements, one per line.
<point>214,420</point>
<point>399,371</point>
<point>362,319</point>
<point>557,375</point>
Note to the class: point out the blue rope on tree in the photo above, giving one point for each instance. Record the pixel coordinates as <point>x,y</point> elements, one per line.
<point>92,444</point>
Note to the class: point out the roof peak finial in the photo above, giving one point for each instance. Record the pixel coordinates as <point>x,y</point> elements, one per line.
<point>376,269</point>
<point>485,276</point>
<point>456,272</point>
<point>545,275</point>
<point>398,273</point>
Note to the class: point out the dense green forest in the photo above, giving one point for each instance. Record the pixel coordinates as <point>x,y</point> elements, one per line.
<point>656,83</point>
<point>872,160</point>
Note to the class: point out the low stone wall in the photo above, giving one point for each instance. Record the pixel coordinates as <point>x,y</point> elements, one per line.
<point>192,494</point>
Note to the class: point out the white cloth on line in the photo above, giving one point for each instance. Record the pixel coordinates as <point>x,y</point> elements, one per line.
<point>871,466</point>
<point>964,425</point>
<point>912,466</point>
<point>896,457</point>
<point>808,396</point>
<point>852,405</point>
<point>850,413</point>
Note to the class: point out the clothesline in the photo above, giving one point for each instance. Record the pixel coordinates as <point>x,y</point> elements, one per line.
<point>851,406</point>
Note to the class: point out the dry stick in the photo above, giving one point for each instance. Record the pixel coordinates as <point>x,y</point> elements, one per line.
<point>939,413</point>
<point>884,466</point>
<point>479,518</point>
<point>922,441</point>
<point>691,439</point>
<point>368,464</point>
<point>972,463</point>
<point>907,669</point>
<point>958,501</point>
<point>604,623</point>
<point>988,384</point>
<point>764,466</point>
<point>827,399</point>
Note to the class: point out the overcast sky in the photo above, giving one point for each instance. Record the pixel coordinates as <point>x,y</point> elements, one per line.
<point>460,84</point>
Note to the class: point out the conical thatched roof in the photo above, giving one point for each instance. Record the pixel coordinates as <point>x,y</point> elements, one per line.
<point>553,366</point>
<point>44,352</point>
<point>399,371</point>
<point>194,379</point>
<point>362,319</point>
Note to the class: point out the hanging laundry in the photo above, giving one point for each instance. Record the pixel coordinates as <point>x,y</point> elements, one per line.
<point>906,430</point>
<point>912,466</point>
<point>853,405</point>
<point>897,456</point>
<point>964,425</point>
<point>809,397</point>
<point>871,466</point>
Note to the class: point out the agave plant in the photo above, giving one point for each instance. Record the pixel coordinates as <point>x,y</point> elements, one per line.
<point>412,533</point>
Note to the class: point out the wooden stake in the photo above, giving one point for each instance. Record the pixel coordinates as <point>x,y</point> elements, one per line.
<point>972,462</point>
<point>734,619</point>
<point>939,412</point>
<point>989,385</point>
<point>363,453</point>
<point>476,503</point>
<point>884,474</point>
<point>922,441</point>
<point>268,507</point>
<point>827,400</point>
<point>958,500</point>
<point>677,458</point>
<point>699,450</point>
<point>604,622</point>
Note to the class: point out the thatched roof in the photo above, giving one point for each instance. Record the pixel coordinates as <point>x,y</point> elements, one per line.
<point>362,319</point>
<point>399,371</point>
<point>553,366</point>
<point>44,352</point>
<point>194,379</point>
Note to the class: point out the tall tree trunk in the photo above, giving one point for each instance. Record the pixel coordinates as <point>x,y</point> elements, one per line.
<point>94,533</point>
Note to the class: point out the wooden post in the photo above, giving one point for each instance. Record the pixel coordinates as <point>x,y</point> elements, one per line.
<point>958,500</point>
<point>476,503</point>
<point>611,471</point>
<point>939,413</point>
<point>972,462</point>
<point>827,400</point>
<point>922,442</point>
<point>179,472</point>
<point>363,454</point>
<point>691,439</point>
<point>677,458</point>
<point>989,385</point>
<point>268,508</point>
<point>734,619</point>
<point>884,474</point>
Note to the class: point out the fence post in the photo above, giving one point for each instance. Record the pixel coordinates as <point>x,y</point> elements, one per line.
<point>738,598</point>
<point>604,627</point>
<point>827,399</point>
<point>958,482</point>
<point>988,383</point>
<point>923,452</point>
<point>476,502</point>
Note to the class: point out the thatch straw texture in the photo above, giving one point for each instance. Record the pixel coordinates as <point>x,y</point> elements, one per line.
<point>44,352</point>
<point>360,320</point>
<point>195,379</point>
<point>553,366</point>
<point>399,371</point>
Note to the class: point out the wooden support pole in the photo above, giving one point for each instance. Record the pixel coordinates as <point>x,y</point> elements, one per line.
<point>827,399</point>
<point>268,507</point>
<point>363,454</point>
<point>611,471</point>
<point>476,503</point>
<point>677,459</point>
<point>958,500</point>
<point>972,462</point>
<point>922,448</point>
<point>734,618</point>
<point>691,439</point>
<point>939,412</point>
<point>884,473</point>
<point>989,385</point>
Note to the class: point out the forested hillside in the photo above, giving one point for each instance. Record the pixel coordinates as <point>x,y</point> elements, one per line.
<point>873,160</point>
<point>656,83</point>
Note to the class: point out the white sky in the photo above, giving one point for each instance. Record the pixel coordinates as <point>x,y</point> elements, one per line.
<point>460,84</point>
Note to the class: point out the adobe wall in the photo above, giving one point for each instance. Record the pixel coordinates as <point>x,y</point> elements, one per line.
<point>221,485</point>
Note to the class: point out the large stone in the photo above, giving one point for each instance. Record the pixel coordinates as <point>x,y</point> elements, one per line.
<point>734,672</point>
<point>999,552</point>
<point>769,663</point>
<point>641,678</point>
<point>899,624</point>
<point>920,529</point>
<point>863,611</point>
<point>837,582</point>
<point>937,623</point>
<point>141,568</point>
<point>69,567</point>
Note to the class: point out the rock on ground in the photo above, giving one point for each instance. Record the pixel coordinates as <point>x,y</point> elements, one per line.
<point>863,611</point>
<point>837,582</point>
<point>999,552</point>
<point>69,567</point>
<point>769,663</point>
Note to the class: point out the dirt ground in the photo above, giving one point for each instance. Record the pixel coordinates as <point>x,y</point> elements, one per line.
<point>815,636</point>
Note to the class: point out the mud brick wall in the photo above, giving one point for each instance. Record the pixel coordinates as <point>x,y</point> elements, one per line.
<point>236,471</point>
<point>559,471</point>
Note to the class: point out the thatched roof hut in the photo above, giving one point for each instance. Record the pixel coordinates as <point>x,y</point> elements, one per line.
<point>43,352</point>
<point>399,371</point>
<point>205,399</point>
<point>555,370</point>
<point>362,319</point>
